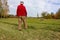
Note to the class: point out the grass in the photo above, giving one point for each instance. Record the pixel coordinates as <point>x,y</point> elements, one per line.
<point>38,29</point>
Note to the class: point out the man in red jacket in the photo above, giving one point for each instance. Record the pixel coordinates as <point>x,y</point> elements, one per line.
<point>22,15</point>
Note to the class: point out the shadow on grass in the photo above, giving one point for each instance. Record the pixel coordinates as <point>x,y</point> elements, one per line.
<point>9,23</point>
<point>52,29</point>
<point>29,27</point>
<point>32,27</point>
<point>49,23</point>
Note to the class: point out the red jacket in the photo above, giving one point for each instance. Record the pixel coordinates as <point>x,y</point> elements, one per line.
<point>21,10</point>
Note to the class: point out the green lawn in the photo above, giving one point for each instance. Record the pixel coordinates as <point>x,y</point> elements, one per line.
<point>38,29</point>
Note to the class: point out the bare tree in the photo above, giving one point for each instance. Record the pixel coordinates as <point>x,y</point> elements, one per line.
<point>4,5</point>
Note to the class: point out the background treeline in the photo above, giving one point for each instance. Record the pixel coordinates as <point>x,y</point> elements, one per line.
<point>51,15</point>
<point>4,10</point>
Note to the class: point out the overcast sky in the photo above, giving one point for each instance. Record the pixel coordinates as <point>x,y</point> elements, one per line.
<point>35,6</point>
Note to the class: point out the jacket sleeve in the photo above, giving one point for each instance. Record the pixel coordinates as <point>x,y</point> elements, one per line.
<point>25,11</point>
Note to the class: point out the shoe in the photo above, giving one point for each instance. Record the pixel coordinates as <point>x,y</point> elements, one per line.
<point>19,29</point>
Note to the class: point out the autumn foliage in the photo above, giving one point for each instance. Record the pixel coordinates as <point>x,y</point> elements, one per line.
<point>51,15</point>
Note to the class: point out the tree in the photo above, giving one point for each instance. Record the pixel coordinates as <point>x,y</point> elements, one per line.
<point>44,14</point>
<point>1,9</point>
<point>37,15</point>
<point>58,14</point>
<point>52,15</point>
<point>4,8</point>
<point>48,16</point>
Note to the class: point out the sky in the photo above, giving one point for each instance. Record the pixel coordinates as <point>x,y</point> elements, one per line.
<point>35,7</point>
